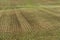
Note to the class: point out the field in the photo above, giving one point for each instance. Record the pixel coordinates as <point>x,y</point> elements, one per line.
<point>30,20</point>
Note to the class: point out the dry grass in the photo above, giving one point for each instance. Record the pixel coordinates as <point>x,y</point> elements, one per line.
<point>21,20</point>
<point>29,24</point>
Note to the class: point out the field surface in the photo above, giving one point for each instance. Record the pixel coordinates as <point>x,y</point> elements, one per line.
<point>29,20</point>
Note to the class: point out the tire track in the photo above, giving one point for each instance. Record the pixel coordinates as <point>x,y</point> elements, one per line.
<point>50,14</point>
<point>50,18</point>
<point>26,27</point>
<point>17,26</point>
<point>33,21</point>
<point>48,27</point>
<point>9,23</point>
<point>52,11</point>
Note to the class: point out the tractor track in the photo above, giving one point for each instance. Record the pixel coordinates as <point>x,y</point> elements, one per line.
<point>24,23</point>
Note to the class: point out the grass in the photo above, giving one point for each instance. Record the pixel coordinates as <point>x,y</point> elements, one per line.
<point>29,24</point>
<point>29,20</point>
<point>4,4</point>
